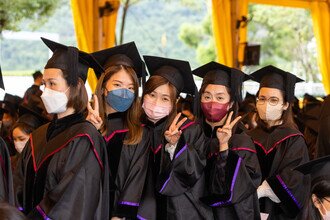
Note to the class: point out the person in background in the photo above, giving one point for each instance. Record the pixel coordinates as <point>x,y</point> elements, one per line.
<point>34,90</point>
<point>317,206</point>
<point>175,180</point>
<point>21,130</point>
<point>116,114</point>
<point>323,139</point>
<point>6,178</point>
<point>233,173</point>
<point>9,109</point>
<point>63,171</point>
<point>280,146</point>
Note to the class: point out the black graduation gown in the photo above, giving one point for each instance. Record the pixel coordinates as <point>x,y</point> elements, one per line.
<point>128,165</point>
<point>178,183</point>
<point>280,150</point>
<point>6,178</point>
<point>233,176</point>
<point>323,139</point>
<point>63,173</point>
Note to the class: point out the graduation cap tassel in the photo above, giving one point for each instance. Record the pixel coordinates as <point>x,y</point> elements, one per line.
<point>236,85</point>
<point>73,60</point>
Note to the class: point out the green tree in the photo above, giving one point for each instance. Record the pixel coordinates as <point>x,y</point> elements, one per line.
<point>13,12</point>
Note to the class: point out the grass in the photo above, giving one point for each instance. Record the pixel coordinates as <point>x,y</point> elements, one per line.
<point>17,72</point>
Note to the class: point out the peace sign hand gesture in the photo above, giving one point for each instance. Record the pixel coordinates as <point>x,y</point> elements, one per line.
<point>225,133</point>
<point>94,114</point>
<point>173,134</point>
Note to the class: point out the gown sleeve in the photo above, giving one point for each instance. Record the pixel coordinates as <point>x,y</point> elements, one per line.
<point>74,187</point>
<point>234,177</point>
<point>187,166</point>
<point>6,178</point>
<point>131,178</point>
<point>289,185</point>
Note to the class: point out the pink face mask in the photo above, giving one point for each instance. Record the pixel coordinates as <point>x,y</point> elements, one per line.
<point>214,111</point>
<point>155,112</point>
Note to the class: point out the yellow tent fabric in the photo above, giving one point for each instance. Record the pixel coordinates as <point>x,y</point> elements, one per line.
<point>321,25</point>
<point>226,39</point>
<point>92,32</point>
<point>224,33</point>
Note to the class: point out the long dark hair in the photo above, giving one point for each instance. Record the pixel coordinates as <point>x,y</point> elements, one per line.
<point>321,190</point>
<point>287,116</point>
<point>132,115</point>
<point>153,83</point>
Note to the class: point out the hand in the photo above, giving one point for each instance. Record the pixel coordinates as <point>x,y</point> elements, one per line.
<point>94,114</point>
<point>172,135</point>
<point>116,218</point>
<point>225,133</point>
<point>264,190</point>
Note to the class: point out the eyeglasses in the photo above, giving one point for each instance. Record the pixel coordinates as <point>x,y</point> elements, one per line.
<point>272,100</point>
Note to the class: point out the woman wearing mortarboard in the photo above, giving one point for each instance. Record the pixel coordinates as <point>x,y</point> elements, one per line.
<point>63,171</point>
<point>116,114</point>
<point>318,203</point>
<point>175,179</point>
<point>232,173</point>
<point>280,146</point>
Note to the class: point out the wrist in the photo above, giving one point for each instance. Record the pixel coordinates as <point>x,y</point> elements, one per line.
<point>223,147</point>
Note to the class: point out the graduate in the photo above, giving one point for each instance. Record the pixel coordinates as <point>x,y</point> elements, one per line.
<point>116,113</point>
<point>233,172</point>
<point>175,179</point>
<point>323,138</point>
<point>318,204</point>
<point>63,173</point>
<point>6,178</point>
<point>280,146</point>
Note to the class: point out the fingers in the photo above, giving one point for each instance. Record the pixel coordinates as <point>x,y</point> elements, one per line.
<point>96,103</point>
<point>89,107</point>
<point>181,122</point>
<point>235,121</point>
<point>175,120</point>
<point>229,118</point>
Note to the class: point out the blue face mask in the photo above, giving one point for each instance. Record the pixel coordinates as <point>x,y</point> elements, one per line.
<point>120,99</point>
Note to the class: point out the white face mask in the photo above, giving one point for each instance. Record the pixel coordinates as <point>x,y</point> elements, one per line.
<point>19,145</point>
<point>268,112</point>
<point>55,102</point>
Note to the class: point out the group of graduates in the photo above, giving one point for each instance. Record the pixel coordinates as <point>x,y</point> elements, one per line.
<point>157,155</point>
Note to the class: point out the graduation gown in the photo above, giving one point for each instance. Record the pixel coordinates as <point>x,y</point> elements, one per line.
<point>6,178</point>
<point>323,139</point>
<point>63,173</point>
<point>128,165</point>
<point>279,150</point>
<point>180,182</point>
<point>233,176</point>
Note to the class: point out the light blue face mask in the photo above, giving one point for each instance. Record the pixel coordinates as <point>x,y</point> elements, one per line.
<point>120,99</point>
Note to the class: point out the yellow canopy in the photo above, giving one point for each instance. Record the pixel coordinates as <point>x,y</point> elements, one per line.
<point>229,40</point>
<point>94,32</point>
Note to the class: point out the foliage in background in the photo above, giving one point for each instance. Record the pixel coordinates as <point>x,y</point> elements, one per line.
<point>13,12</point>
<point>285,34</point>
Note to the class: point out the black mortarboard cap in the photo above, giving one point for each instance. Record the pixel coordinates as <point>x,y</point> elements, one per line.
<point>125,54</point>
<point>216,73</point>
<point>318,169</point>
<point>71,60</point>
<point>273,77</point>
<point>24,109</point>
<point>2,86</point>
<point>177,72</point>
<point>10,103</point>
